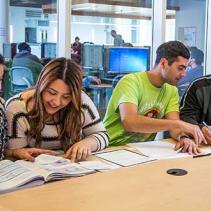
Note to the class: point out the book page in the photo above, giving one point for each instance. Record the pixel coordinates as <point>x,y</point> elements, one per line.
<point>54,168</point>
<point>123,157</point>
<point>32,166</point>
<point>98,165</point>
<point>13,175</point>
<point>158,149</point>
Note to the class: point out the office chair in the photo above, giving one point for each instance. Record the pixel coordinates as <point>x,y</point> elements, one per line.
<point>116,80</point>
<point>21,78</point>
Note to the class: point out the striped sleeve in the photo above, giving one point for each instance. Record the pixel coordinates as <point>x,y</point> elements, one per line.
<point>93,125</point>
<point>17,123</point>
<point>3,129</point>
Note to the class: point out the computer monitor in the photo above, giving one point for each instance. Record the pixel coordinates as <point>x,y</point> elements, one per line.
<point>49,50</point>
<point>128,60</point>
<point>9,50</point>
<point>36,49</point>
<point>92,56</point>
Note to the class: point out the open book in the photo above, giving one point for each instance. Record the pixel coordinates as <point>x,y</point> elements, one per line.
<point>22,174</point>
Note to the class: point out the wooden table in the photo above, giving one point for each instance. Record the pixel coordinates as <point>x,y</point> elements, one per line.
<point>145,187</point>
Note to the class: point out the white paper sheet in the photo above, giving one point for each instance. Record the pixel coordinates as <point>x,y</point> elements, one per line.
<point>158,150</point>
<point>123,157</point>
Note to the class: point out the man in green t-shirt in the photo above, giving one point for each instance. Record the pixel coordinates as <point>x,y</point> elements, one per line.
<point>145,103</point>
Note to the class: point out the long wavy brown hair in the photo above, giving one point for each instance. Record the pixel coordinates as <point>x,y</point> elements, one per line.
<point>70,119</point>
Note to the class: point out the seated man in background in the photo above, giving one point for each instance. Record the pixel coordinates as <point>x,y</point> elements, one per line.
<point>87,80</point>
<point>25,59</point>
<point>142,100</point>
<point>195,106</point>
<point>194,71</point>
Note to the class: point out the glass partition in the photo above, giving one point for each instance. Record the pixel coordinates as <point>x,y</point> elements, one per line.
<point>187,24</point>
<point>34,22</point>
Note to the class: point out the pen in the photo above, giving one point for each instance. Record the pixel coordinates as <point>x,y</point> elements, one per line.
<point>205,124</point>
<point>204,155</point>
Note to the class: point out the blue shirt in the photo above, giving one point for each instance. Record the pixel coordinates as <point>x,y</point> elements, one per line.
<point>191,75</point>
<point>87,81</point>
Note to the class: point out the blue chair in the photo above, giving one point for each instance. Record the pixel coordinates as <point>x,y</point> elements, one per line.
<point>116,80</point>
<point>21,78</point>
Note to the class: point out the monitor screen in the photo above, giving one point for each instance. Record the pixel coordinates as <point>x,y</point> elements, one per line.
<point>7,51</point>
<point>127,60</point>
<point>49,50</point>
<point>36,49</point>
<point>92,56</point>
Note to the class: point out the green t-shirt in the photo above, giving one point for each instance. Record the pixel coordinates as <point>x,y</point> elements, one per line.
<point>151,101</point>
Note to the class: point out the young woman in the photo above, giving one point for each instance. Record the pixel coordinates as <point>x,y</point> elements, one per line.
<point>55,114</point>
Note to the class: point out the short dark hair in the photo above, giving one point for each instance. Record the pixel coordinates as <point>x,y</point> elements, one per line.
<point>23,46</point>
<point>113,31</point>
<point>77,38</point>
<point>1,59</point>
<point>171,50</point>
<point>197,54</point>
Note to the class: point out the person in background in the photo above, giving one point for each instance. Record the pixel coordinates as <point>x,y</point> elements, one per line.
<point>3,122</point>
<point>118,41</point>
<point>87,80</point>
<point>45,61</point>
<point>55,114</point>
<point>76,49</point>
<point>195,105</point>
<point>24,58</point>
<point>145,103</point>
<point>194,71</point>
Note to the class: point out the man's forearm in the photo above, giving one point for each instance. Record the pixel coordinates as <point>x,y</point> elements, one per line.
<point>142,124</point>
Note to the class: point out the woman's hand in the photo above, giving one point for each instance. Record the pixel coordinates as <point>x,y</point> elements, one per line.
<point>28,153</point>
<point>80,150</point>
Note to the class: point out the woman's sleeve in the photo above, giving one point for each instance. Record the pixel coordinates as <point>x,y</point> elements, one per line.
<point>93,125</point>
<point>18,126</point>
<point>3,130</point>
